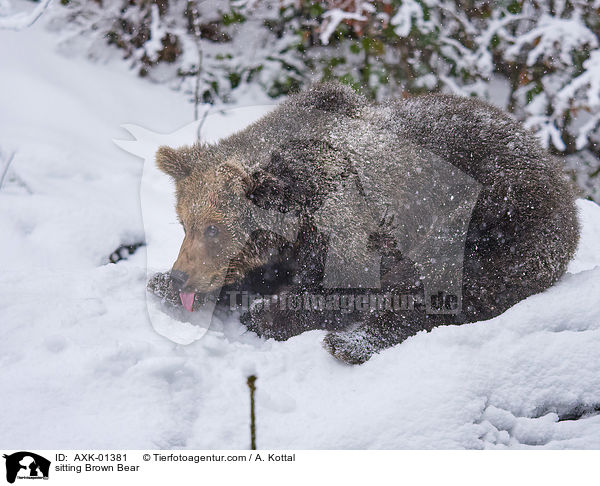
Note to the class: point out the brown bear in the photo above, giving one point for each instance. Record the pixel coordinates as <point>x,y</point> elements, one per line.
<point>444,205</point>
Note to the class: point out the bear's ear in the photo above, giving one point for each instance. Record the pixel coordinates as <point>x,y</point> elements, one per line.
<point>235,177</point>
<point>176,163</point>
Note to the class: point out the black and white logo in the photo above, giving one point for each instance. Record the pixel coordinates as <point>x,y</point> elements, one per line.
<point>26,465</point>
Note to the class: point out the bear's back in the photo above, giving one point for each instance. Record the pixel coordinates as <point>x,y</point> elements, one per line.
<point>478,138</point>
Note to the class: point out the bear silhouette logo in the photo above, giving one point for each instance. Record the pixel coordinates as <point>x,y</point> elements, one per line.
<point>26,464</point>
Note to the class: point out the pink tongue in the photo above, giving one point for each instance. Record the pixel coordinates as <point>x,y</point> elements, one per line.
<point>187,299</point>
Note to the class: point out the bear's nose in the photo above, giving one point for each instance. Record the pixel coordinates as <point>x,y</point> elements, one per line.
<point>179,279</point>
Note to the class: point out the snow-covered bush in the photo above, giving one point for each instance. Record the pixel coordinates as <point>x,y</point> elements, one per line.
<point>212,49</point>
<point>547,51</point>
<point>544,53</point>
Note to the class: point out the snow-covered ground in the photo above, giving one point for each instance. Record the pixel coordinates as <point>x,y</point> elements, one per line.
<point>82,366</point>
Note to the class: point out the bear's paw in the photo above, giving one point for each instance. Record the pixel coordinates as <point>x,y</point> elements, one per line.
<point>352,346</point>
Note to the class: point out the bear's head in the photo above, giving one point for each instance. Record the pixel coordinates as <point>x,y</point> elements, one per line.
<point>214,206</point>
<point>221,204</point>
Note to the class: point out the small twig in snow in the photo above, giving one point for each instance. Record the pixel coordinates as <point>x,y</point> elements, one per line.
<point>201,124</point>
<point>5,168</point>
<point>251,384</point>
<point>23,20</point>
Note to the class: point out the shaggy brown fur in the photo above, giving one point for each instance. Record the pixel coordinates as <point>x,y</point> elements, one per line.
<point>522,232</point>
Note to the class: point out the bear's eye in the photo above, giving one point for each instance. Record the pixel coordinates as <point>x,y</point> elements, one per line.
<point>211,231</point>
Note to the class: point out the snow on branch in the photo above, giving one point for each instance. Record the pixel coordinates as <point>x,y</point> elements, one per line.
<point>588,84</point>
<point>590,79</point>
<point>540,59</point>
<point>409,11</point>
<point>335,16</point>
<point>479,61</point>
<point>546,130</point>
<point>553,38</point>
<point>154,44</point>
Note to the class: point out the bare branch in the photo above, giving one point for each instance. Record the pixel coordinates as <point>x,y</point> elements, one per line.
<point>23,20</point>
<point>6,166</point>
